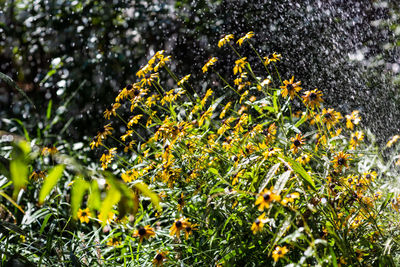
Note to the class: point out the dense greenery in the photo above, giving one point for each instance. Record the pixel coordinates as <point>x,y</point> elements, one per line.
<point>267,175</point>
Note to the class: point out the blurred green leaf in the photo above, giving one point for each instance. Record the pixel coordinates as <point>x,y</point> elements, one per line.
<point>144,189</point>
<point>50,181</point>
<point>79,188</point>
<point>94,201</point>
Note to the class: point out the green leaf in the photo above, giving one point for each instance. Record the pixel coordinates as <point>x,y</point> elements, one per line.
<point>46,219</point>
<point>300,170</point>
<point>112,198</point>
<point>270,174</point>
<point>280,184</point>
<point>144,189</point>
<point>213,171</point>
<point>48,113</point>
<point>50,181</point>
<point>19,175</point>
<point>12,84</point>
<point>301,121</point>
<point>26,134</point>
<point>94,201</point>
<point>79,188</point>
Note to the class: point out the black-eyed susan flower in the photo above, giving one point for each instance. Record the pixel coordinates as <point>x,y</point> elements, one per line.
<point>189,228</point>
<point>111,111</point>
<point>49,149</point>
<point>181,202</point>
<point>160,258</point>
<point>246,37</point>
<point>290,88</point>
<point>392,140</point>
<point>312,98</point>
<point>178,226</point>
<point>239,65</point>
<point>272,58</point>
<point>265,198</point>
<point>104,132</point>
<point>144,233</point>
<point>369,177</point>
<point>341,160</point>
<point>162,62</point>
<point>183,80</point>
<point>209,63</point>
<point>330,117</point>
<point>279,252</point>
<point>95,142</point>
<point>37,174</point>
<point>206,96</point>
<point>297,142</point>
<point>223,112</point>
<point>107,157</point>
<point>355,139</point>
<point>353,119</point>
<point>289,198</point>
<point>157,56</point>
<point>264,83</point>
<point>144,70</point>
<point>224,40</point>
<point>130,175</point>
<point>258,224</point>
<point>83,215</point>
<point>113,242</point>
<point>149,78</point>
<point>134,120</point>
<point>303,159</point>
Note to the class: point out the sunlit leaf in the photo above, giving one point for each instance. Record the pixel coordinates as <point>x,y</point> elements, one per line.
<point>79,188</point>
<point>50,181</point>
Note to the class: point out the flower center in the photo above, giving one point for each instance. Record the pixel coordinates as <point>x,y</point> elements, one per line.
<point>178,224</point>
<point>368,176</point>
<point>289,87</point>
<point>328,116</point>
<point>142,231</point>
<point>188,229</point>
<point>129,87</point>
<point>159,257</point>
<point>313,96</point>
<point>266,197</point>
<point>341,161</point>
<point>296,142</point>
<point>257,221</point>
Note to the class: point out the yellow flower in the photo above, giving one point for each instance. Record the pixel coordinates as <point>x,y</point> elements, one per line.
<point>111,111</point>
<point>144,70</point>
<point>239,65</point>
<point>107,158</point>
<point>184,79</point>
<point>290,88</point>
<point>341,160</point>
<point>144,232</point>
<point>209,63</point>
<point>272,58</point>
<point>247,36</point>
<point>113,242</point>
<point>37,174</point>
<point>303,159</point>
<point>265,198</point>
<point>134,120</point>
<point>226,39</point>
<point>279,252</point>
<point>223,112</point>
<point>258,224</point>
<point>181,202</point>
<point>129,175</point>
<point>297,142</point>
<point>162,62</point>
<point>392,140</point>
<point>356,139</point>
<point>312,98</point>
<point>178,226</point>
<point>83,215</point>
<point>148,79</point>
<point>49,149</point>
<point>159,258</point>
<point>353,119</point>
<point>290,198</point>
<point>189,229</point>
<point>330,117</point>
<point>206,96</point>
<point>104,132</point>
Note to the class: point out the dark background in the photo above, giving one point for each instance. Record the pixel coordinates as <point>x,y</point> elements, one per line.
<point>347,49</point>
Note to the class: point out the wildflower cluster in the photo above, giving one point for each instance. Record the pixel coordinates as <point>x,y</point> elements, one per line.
<point>266,169</point>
